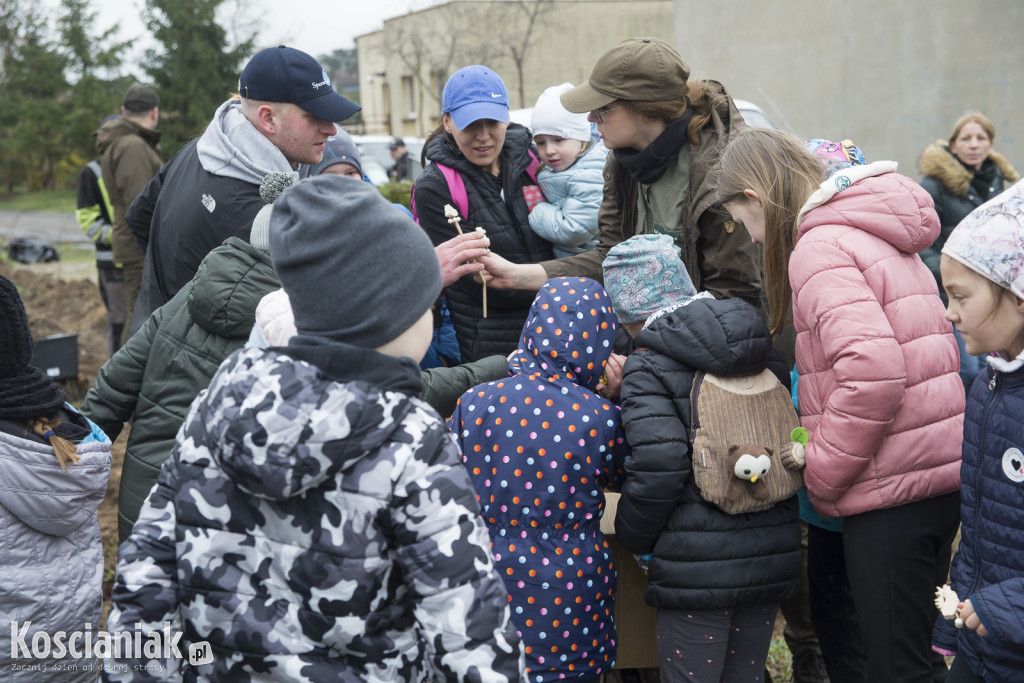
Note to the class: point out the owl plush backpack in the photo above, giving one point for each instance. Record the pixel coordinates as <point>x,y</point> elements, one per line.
<point>747,444</point>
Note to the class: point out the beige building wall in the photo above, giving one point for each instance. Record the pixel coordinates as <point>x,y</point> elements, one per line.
<point>403,67</point>
<point>892,76</point>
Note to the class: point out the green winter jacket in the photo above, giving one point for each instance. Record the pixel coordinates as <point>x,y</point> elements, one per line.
<point>162,368</point>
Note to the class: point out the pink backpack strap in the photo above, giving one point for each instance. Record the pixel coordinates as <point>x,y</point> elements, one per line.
<point>534,165</point>
<point>456,188</point>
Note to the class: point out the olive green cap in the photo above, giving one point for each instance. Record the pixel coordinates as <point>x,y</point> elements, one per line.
<point>637,69</point>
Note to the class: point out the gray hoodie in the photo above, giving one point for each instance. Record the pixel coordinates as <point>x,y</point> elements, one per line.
<point>231,146</point>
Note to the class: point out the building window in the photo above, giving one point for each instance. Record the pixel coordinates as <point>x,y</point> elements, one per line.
<point>410,101</point>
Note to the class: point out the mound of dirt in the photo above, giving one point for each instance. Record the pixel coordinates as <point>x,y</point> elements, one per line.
<point>62,299</point>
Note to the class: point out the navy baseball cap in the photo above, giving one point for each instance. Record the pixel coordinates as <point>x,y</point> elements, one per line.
<point>284,74</point>
<point>473,93</point>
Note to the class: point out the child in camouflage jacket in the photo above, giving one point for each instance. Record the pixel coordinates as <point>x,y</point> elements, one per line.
<point>314,521</point>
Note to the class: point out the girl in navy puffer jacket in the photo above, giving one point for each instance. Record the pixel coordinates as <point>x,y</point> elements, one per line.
<point>982,268</point>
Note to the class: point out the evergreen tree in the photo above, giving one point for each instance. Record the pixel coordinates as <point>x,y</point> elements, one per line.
<point>93,64</point>
<point>33,93</point>
<point>196,71</point>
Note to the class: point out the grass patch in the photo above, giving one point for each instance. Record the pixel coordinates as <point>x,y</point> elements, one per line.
<point>58,201</point>
<point>780,661</point>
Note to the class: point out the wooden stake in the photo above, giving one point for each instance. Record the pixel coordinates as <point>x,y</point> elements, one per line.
<point>453,217</point>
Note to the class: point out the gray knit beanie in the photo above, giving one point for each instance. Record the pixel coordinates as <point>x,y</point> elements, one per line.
<point>270,189</point>
<point>357,270</point>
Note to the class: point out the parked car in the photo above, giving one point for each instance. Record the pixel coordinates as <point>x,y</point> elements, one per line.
<point>375,153</point>
<point>752,114</point>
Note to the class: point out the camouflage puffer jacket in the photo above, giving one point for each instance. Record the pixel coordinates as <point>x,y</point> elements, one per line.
<point>313,530</point>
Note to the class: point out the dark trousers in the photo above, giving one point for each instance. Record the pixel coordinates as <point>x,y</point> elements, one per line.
<point>698,646</point>
<point>832,611</point>
<point>961,672</point>
<point>895,558</point>
<point>111,281</point>
<point>799,631</point>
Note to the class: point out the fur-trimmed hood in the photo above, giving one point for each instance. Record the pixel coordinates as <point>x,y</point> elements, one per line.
<point>937,161</point>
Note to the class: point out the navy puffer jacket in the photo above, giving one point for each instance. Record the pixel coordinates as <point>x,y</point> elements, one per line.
<point>989,566</point>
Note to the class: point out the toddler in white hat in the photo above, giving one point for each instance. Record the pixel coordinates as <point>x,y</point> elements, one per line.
<point>572,178</point>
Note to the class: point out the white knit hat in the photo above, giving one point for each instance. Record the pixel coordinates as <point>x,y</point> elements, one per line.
<point>551,118</point>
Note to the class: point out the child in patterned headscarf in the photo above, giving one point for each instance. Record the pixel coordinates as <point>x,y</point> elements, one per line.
<point>540,446</point>
<point>983,273</point>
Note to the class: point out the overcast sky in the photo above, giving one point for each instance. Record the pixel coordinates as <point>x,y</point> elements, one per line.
<point>314,26</point>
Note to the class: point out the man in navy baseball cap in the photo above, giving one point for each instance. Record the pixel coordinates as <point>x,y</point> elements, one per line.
<point>210,189</point>
<point>284,74</point>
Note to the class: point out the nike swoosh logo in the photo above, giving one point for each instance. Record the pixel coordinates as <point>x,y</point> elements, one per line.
<point>494,95</point>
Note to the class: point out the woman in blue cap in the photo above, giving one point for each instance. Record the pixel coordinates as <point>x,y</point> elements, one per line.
<point>482,165</point>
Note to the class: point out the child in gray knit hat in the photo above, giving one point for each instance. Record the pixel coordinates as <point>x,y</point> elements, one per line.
<point>337,499</point>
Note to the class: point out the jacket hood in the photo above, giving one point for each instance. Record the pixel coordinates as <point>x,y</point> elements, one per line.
<point>43,495</point>
<point>122,128</point>
<point>513,152</point>
<point>726,338</point>
<point>228,286</point>
<point>232,147</point>
<point>569,332</point>
<point>875,199</point>
<point>938,162</point>
<point>279,427</point>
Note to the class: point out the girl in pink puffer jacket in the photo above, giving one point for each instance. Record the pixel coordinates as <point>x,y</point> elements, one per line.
<point>879,390</point>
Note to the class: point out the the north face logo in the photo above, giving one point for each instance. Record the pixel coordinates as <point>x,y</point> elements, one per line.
<point>209,202</point>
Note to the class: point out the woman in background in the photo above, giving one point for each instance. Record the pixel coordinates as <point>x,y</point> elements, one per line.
<point>961,174</point>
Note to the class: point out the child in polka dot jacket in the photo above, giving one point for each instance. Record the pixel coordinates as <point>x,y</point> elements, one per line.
<point>540,448</point>
<point>715,578</point>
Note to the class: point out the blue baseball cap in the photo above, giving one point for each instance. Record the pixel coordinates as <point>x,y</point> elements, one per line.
<point>473,93</point>
<point>284,74</point>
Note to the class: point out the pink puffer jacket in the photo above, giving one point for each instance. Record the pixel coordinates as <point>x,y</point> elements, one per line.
<point>879,390</point>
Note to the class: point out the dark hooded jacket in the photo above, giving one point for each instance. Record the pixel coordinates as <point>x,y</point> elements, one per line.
<point>130,156</point>
<point>703,558</point>
<point>957,190</point>
<point>207,192</point>
<point>310,527</point>
<point>540,446</point>
<point>498,206</point>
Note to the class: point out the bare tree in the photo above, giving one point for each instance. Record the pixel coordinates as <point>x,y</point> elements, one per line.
<point>427,46</point>
<point>532,10</point>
